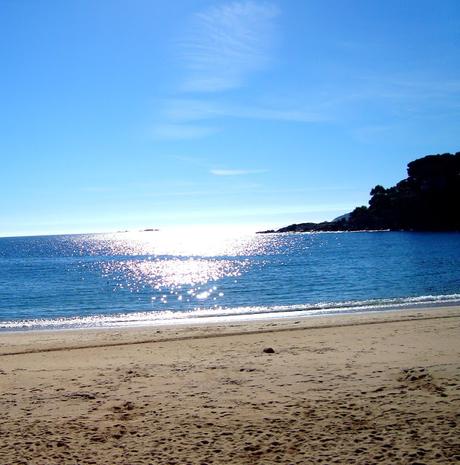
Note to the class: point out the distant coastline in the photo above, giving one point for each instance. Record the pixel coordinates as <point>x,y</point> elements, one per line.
<point>427,200</point>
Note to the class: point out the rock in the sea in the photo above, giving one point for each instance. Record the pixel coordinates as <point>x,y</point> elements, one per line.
<point>269,350</point>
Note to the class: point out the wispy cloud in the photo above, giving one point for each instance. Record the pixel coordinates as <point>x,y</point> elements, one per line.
<point>226,44</point>
<point>185,118</point>
<point>401,91</point>
<point>413,87</point>
<point>97,189</point>
<point>240,172</point>
<point>197,109</point>
<point>182,131</point>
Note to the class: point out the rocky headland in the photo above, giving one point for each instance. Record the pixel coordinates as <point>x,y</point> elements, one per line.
<point>427,200</point>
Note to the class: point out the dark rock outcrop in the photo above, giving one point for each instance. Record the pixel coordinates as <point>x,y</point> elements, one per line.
<point>427,200</point>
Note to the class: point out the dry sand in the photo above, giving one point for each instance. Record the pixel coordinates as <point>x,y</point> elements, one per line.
<point>364,389</point>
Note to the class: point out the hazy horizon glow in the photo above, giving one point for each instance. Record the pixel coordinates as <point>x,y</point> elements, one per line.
<point>217,114</point>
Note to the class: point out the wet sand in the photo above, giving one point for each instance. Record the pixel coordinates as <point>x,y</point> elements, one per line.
<point>363,389</point>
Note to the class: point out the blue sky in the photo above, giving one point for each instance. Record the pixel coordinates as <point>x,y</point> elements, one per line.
<point>124,115</point>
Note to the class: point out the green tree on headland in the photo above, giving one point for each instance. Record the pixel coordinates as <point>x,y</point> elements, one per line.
<point>427,200</point>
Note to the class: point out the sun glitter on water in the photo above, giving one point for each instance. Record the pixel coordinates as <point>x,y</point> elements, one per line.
<point>175,265</point>
<point>197,241</point>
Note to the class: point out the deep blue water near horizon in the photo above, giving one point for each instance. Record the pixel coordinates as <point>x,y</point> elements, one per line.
<point>121,279</point>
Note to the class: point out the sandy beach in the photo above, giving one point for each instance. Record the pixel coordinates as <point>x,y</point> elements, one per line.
<point>363,389</point>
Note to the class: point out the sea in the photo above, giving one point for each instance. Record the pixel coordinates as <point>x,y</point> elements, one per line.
<point>158,277</point>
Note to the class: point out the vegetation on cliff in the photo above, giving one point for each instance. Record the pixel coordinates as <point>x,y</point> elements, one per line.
<point>427,200</point>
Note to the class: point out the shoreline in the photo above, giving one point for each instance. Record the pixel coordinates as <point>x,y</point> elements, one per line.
<point>235,315</point>
<point>371,388</point>
<point>48,340</point>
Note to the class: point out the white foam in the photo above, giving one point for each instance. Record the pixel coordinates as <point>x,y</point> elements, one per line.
<point>227,314</point>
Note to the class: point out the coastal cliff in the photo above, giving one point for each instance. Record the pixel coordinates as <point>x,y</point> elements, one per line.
<point>427,200</point>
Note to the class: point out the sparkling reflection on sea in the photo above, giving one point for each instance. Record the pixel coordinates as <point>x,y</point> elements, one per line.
<point>59,281</point>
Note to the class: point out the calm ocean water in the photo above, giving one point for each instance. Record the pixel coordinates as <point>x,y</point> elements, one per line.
<point>157,277</point>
